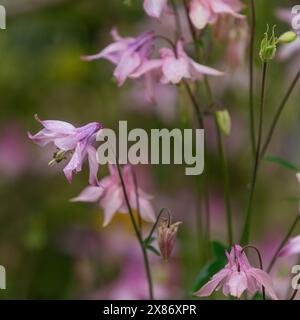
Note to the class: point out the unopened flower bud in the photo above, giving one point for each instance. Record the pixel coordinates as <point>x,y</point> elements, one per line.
<point>166,237</point>
<point>287,37</point>
<point>268,46</point>
<point>224,121</point>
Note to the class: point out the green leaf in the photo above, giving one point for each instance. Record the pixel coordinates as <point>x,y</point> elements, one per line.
<point>282,162</point>
<point>207,272</point>
<point>148,241</point>
<point>218,249</point>
<point>153,250</point>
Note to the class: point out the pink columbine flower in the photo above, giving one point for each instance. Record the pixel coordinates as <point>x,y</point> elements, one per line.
<point>175,66</point>
<point>155,8</point>
<point>292,248</point>
<point>204,12</point>
<point>128,54</point>
<point>109,193</point>
<point>70,141</point>
<point>237,276</point>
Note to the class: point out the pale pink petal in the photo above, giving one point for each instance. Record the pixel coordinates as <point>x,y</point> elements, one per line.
<point>264,280</point>
<point>89,194</point>
<point>236,284</point>
<point>111,203</point>
<point>292,248</point>
<point>220,7</point>
<point>75,163</point>
<point>57,126</point>
<point>146,210</point>
<point>175,70</point>
<point>212,285</point>
<point>199,14</point>
<point>198,70</point>
<point>93,165</point>
<point>128,64</point>
<point>155,8</point>
<point>146,67</point>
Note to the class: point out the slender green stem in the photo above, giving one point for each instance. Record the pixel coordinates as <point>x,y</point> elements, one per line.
<point>138,234</point>
<point>224,169</point>
<point>178,29</point>
<point>283,242</point>
<point>278,113</point>
<point>247,226</point>
<point>251,73</point>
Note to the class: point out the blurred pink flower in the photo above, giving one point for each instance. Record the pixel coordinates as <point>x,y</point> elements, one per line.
<point>128,54</point>
<point>290,50</point>
<point>70,140</point>
<point>175,66</point>
<point>155,8</point>
<point>237,276</point>
<point>110,194</point>
<point>14,154</point>
<point>204,12</point>
<point>292,248</point>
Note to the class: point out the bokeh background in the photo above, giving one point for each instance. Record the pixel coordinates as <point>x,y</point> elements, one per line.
<point>54,249</point>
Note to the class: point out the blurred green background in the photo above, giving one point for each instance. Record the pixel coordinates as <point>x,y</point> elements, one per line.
<point>54,249</point>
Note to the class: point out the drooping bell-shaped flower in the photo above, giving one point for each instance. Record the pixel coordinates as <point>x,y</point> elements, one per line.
<point>76,143</point>
<point>166,237</point>
<point>110,195</point>
<point>128,54</point>
<point>204,12</point>
<point>175,66</point>
<point>237,276</point>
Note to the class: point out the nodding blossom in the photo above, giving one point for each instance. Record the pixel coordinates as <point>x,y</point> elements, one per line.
<point>292,248</point>
<point>155,8</point>
<point>109,193</point>
<point>204,12</point>
<point>237,276</point>
<point>71,142</point>
<point>166,237</point>
<point>175,66</point>
<point>128,54</point>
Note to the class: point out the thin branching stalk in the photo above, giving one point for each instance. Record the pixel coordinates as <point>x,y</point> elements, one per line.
<point>278,113</point>
<point>251,75</point>
<point>138,234</point>
<point>283,242</point>
<point>248,220</point>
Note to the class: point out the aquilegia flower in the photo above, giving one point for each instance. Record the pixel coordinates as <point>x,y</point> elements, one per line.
<point>109,193</point>
<point>76,143</point>
<point>292,248</point>
<point>128,54</point>
<point>155,8</point>
<point>204,12</point>
<point>175,66</point>
<point>237,276</point>
<point>166,237</point>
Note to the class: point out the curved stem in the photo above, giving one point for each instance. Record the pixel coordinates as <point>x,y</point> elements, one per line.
<point>157,220</point>
<point>278,114</point>
<point>283,242</point>
<point>260,264</point>
<point>294,294</point>
<point>137,232</point>
<point>251,67</point>
<point>247,226</point>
